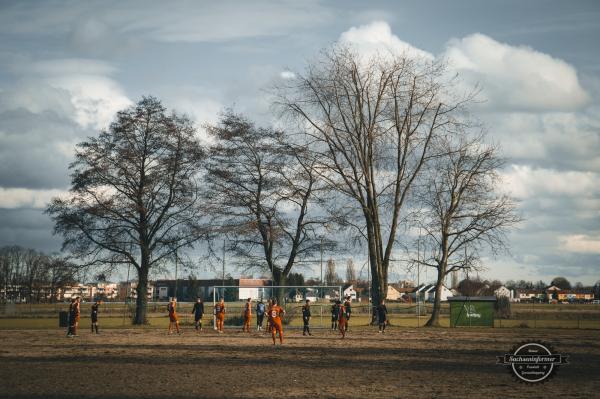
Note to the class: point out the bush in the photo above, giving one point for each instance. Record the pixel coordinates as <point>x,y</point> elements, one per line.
<point>502,308</point>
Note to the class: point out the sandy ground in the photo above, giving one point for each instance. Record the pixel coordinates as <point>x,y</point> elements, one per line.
<point>416,363</point>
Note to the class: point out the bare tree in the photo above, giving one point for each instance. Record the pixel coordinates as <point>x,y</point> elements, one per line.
<point>134,193</point>
<point>350,272</point>
<point>331,276</point>
<point>373,121</point>
<point>263,192</point>
<point>462,211</point>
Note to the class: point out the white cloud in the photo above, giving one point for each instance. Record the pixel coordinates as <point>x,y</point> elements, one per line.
<point>377,37</point>
<point>287,75</point>
<point>515,77</point>
<point>580,243</point>
<point>523,181</point>
<point>166,21</point>
<point>79,89</point>
<point>12,198</point>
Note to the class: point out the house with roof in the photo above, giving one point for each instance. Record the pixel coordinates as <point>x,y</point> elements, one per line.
<point>397,292</point>
<point>426,292</point>
<point>502,291</point>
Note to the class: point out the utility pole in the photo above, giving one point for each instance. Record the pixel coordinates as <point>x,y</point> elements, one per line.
<point>321,280</point>
<point>223,281</point>
<point>175,294</point>
<point>417,293</point>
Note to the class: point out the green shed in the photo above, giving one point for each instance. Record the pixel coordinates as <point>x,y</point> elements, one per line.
<point>474,311</point>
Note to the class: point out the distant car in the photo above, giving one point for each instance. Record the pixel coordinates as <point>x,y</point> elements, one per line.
<point>596,302</point>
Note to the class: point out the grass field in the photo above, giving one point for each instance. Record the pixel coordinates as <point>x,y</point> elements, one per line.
<point>404,362</point>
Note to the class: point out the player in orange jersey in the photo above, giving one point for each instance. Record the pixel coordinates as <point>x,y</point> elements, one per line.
<point>173,318</point>
<point>269,306</point>
<point>247,315</point>
<point>342,318</point>
<point>275,314</point>
<point>220,314</point>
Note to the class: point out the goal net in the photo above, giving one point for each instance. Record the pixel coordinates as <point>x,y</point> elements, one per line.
<point>291,298</point>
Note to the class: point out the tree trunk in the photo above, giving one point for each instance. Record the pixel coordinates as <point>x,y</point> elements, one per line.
<point>434,320</point>
<point>279,279</point>
<point>142,290</point>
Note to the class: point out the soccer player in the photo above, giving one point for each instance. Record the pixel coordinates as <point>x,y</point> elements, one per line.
<point>173,318</point>
<point>74,314</point>
<point>306,318</point>
<point>382,316</point>
<point>334,315</point>
<point>348,307</point>
<point>269,323</point>
<point>247,315</point>
<point>198,311</point>
<point>260,314</point>
<point>342,320</point>
<point>220,314</point>
<point>276,324</point>
<point>71,318</point>
<point>94,316</point>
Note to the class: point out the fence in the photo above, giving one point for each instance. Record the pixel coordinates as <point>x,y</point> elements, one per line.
<point>585,316</point>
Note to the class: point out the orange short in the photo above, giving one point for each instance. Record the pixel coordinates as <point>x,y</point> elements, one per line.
<point>173,317</point>
<point>77,319</point>
<point>277,325</point>
<point>220,316</point>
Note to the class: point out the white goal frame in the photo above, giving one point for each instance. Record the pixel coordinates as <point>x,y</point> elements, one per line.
<point>272,288</point>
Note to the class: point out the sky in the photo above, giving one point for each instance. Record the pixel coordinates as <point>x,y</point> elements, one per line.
<point>66,67</point>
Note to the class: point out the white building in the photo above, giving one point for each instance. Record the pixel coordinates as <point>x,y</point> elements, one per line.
<point>427,293</point>
<point>350,292</point>
<point>502,291</point>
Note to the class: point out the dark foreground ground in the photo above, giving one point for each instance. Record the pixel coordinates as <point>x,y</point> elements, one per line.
<point>405,363</point>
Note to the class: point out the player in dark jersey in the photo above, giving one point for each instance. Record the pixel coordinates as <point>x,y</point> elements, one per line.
<point>94,316</point>
<point>348,308</point>
<point>306,318</point>
<point>71,318</point>
<point>260,314</point>
<point>382,316</point>
<point>198,311</point>
<point>334,315</point>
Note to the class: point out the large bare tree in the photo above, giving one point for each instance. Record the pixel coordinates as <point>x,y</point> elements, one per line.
<point>134,193</point>
<point>462,210</point>
<point>373,120</point>
<point>263,192</point>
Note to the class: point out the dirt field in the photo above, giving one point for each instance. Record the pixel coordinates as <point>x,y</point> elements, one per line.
<point>401,363</point>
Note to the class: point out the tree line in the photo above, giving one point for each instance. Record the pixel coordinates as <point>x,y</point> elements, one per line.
<point>32,276</point>
<point>375,150</point>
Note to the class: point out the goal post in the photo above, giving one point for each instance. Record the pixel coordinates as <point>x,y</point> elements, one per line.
<point>292,297</point>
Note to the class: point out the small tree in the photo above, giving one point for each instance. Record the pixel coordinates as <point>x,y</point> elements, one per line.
<point>462,213</point>
<point>134,194</point>
<point>561,282</point>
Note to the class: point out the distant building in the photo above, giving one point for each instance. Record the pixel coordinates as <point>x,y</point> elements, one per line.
<point>502,291</point>
<point>396,292</point>
<point>426,292</point>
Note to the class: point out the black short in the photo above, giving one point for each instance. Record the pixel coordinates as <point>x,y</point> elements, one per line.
<point>94,319</point>
<point>197,318</point>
